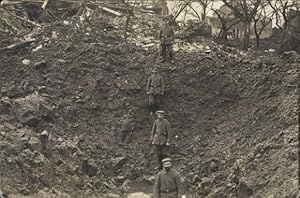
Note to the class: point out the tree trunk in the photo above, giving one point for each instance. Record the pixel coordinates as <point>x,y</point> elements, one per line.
<point>203,15</point>
<point>245,35</point>
<point>256,33</point>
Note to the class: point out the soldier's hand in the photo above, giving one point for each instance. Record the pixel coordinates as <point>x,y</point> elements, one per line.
<point>161,93</point>
<point>147,92</point>
<point>167,144</point>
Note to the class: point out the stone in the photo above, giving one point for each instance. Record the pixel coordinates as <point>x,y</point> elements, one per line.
<point>40,65</point>
<point>119,179</point>
<point>196,179</point>
<point>35,144</point>
<point>243,190</point>
<point>40,159</point>
<point>109,185</point>
<point>118,163</point>
<point>31,109</point>
<point>26,62</point>
<point>89,167</point>
<point>5,106</point>
<point>3,194</point>
<point>38,48</point>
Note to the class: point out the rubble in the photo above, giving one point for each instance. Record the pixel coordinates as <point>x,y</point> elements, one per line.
<point>96,79</point>
<point>31,109</point>
<point>89,167</point>
<point>40,65</point>
<point>26,62</point>
<point>118,163</point>
<point>35,144</point>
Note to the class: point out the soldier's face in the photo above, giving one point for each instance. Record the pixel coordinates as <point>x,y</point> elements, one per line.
<point>167,169</point>
<point>160,115</point>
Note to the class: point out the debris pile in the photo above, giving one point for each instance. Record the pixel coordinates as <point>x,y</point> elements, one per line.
<point>74,115</point>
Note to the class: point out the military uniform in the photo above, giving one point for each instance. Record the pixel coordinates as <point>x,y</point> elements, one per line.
<point>168,184</point>
<point>160,135</point>
<point>166,36</point>
<point>155,88</point>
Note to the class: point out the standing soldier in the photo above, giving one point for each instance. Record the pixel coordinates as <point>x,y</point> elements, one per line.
<point>160,136</point>
<point>166,37</point>
<point>155,89</point>
<point>168,182</point>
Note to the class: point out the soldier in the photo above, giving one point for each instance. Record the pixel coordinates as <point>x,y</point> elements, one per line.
<point>166,37</point>
<point>155,89</point>
<point>168,182</point>
<point>160,137</point>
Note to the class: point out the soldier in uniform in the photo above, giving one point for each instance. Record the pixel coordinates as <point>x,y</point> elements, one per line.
<point>168,182</point>
<point>155,89</point>
<point>166,37</point>
<point>160,136</point>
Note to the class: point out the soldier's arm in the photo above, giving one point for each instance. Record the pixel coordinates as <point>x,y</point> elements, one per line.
<point>148,84</point>
<point>156,188</point>
<point>168,131</point>
<point>179,184</point>
<point>162,85</point>
<point>153,130</point>
<point>173,35</point>
<point>159,34</point>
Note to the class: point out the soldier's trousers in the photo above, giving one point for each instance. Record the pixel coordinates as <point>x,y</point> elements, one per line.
<point>169,195</point>
<point>161,152</point>
<point>166,52</point>
<point>154,102</point>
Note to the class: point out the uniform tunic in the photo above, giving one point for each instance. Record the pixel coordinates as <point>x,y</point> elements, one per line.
<point>166,35</point>
<point>160,133</point>
<point>168,185</point>
<point>155,84</point>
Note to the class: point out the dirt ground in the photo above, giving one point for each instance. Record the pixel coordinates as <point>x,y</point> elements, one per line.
<point>234,115</point>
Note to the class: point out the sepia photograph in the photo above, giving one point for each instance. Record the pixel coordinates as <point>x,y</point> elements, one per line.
<point>149,98</point>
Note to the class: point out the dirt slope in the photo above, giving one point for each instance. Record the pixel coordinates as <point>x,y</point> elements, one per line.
<point>235,116</point>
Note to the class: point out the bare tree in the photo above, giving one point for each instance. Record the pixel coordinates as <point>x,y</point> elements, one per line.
<point>227,22</point>
<point>182,6</point>
<point>284,14</point>
<point>191,10</point>
<point>261,20</point>
<point>244,10</point>
<point>205,4</point>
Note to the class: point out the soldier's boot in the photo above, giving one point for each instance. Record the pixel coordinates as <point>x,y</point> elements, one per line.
<point>170,52</point>
<point>155,108</point>
<point>160,157</point>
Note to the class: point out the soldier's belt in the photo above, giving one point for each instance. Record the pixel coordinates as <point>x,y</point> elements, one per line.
<point>154,86</point>
<point>168,191</point>
<point>166,36</point>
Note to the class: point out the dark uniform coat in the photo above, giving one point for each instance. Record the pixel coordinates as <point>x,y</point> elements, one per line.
<point>168,185</point>
<point>166,35</point>
<point>155,84</point>
<point>160,133</point>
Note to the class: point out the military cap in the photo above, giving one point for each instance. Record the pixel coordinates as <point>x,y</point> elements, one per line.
<point>45,133</point>
<point>160,112</point>
<point>154,69</point>
<point>167,162</point>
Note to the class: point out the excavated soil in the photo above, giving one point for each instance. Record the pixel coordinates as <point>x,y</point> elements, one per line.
<point>234,115</point>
